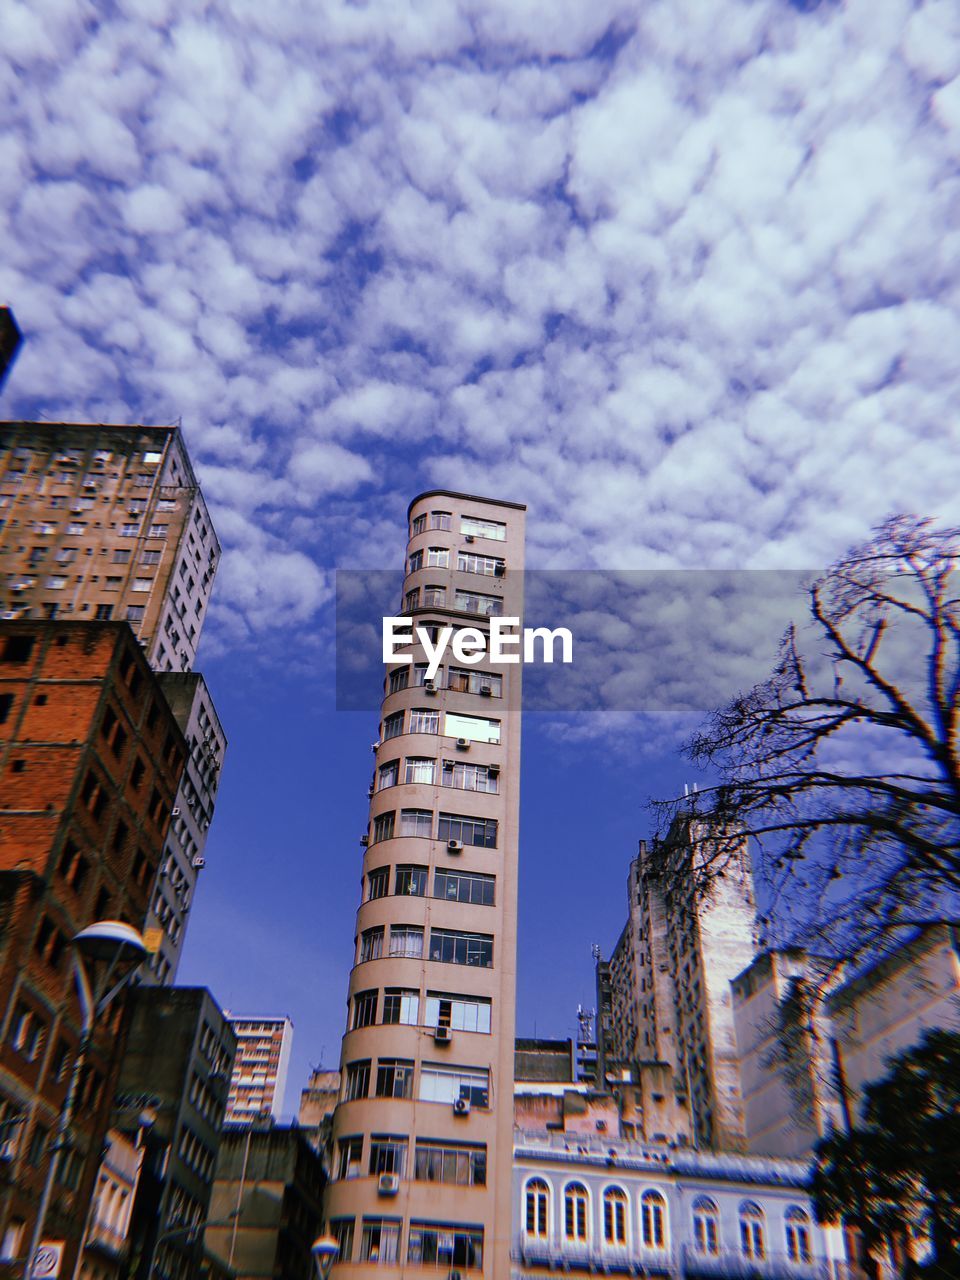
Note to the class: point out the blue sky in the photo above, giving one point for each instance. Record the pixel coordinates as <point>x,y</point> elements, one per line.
<point>682,277</point>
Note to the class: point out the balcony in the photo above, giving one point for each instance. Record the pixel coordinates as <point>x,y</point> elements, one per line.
<point>602,1259</point>
<point>730,1264</point>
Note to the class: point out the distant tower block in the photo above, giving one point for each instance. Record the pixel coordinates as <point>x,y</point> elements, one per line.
<point>10,340</point>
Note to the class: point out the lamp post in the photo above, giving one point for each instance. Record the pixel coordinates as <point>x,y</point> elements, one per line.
<point>325,1251</point>
<point>118,949</point>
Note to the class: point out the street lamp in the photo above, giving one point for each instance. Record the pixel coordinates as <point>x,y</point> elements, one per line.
<point>117,951</point>
<point>325,1251</point>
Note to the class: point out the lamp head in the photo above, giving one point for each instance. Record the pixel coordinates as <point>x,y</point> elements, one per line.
<point>110,940</point>
<point>325,1251</point>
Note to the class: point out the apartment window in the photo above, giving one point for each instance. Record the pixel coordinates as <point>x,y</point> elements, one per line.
<point>478,528</point>
<point>56,583</point>
<point>135,612</point>
<point>797,1224</point>
<point>464,886</point>
<point>121,556</point>
<point>575,1204</point>
<point>416,822</point>
<point>350,1157</point>
<point>342,1229</point>
<point>480,832</point>
<point>401,1007</point>
<point>411,880</point>
<point>18,649</point>
<point>66,555</point>
<point>378,883</point>
<point>26,1033</point>
<point>371,944</point>
<point>104,612</point>
<point>706,1227</point>
<point>394,1078</point>
<point>614,1216</point>
<point>420,769</point>
<point>473,728</point>
<point>129,530</point>
<point>438,558</point>
<point>393,726</point>
<point>424,721</point>
<point>474,602</point>
<point>406,940</point>
<point>143,480</point>
<point>143,584</point>
<point>357,1081</point>
<point>489,566</point>
<point>158,531</point>
<point>487,683</point>
<point>450,947</point>
<point>462,1164</point>
<point>653,1216</point>
<point>112,584</point>
<point>459,1013</point>
<point>411,599</point>
<point>398,679</point>
<point>151,457</point>
<point>448,1084</point>
<point>418,525</point>
<point>6,703</point>
<point>416,561</point>
<point>383,825</point>
<point>388,1154</point>
<point>388,774</point>
<point>380,1240</point>
<point>434,597</point>
<point>536,1208</point>
<point>437,1244</point>
<point>441,519</point>
<point>470,777</point>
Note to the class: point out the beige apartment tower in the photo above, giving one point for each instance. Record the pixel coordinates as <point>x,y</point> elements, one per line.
<point>422,1135</point>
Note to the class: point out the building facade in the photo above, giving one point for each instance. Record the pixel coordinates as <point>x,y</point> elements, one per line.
<point>423,1132</point>
<point>90,762</point>
<point>260,1068</point>
<point>106,523</point>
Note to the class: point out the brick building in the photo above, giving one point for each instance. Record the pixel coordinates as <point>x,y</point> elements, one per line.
<point>90,761</point>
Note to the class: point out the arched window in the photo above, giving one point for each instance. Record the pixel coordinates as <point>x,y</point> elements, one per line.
<point>575,1211</point>
<point>653,1218</point>
<point>538,1200</point>
<point>706,1227</point>
<point>614,1216</point>
<point>751,1230</point>
<point>797,1223</point>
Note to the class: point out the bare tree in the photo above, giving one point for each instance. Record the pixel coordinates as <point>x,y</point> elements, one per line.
<point>843,764</point>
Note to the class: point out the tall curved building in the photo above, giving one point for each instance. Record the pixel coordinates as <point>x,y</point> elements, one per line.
<point>423,1130</point>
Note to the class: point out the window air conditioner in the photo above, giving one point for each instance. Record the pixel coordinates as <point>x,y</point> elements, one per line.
<point>601,1126</point>
<point>493,770</point>
<point>429,686</point>
<point>374,746</point>
<point>463,744</point>
<point>461,1107</point>
<point>442,1035</point>
<point>364,840</point>
<point>371,792</point>
<point>499,570</point>
<point>199,863</point>
<point>486,690</point>
<point>454,846</point>
<point>468,537</point>
<point>388,1184</point>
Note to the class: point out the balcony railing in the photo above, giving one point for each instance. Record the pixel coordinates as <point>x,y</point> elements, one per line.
<point>730,1264</point>
<point>682,1263</point>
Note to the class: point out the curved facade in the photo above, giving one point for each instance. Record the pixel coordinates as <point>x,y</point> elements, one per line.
<point>422,1135</point>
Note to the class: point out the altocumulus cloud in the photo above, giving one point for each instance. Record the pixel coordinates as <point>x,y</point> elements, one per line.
<point>682,277</point>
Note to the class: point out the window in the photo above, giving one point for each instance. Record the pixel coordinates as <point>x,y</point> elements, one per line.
<point>150,557</point>
<point>6,702</point>
<point>449,947</point>
<point>416,822</point>
<point>406,940</point>
<point>26,1032</point>
<point>56,583</point>
<point>358,1081</point>
<point>418,525</point>
<point>416,562</point>
<point>459,1013</point>
<point>157,531</point>
<point>420,769</point>
<point>751,1231</point>
<point>480,832</point>
<point>66,555</point>
<point>482,682</point>
<point>393,726</point>
<point>706,1227</point>
<point>151,458</point>
<point>478,528</point>
<point>474,602</point>
<point>489,566</point>
<point>104,612</point>
<point>473,728</point>
<point>388,1154</point>
<point>537,1208</point>
<point>129,530</point>
<point>120,556</point>
<point>411,880</point>
<point>653,1210</point>
<point>112,584</point>
<point>575,1202</point>
<point>388,774</point>
<point>371,944</point>
<point>464,886</point>
<point>437,1244</point>
<point>12,1239</point>
<point>380,1240</point>
<point>342,1229</point>
<point>394,1078</point>
<point>441,519</point>
<point>378,883</point>
<point>438,558</point>
<point>448,1084</point>
<point>142,584</point>
<point>383,826</point>
<point>470,777</point>
<point>424,721</point>
<point>464,1164</point>
<point>17,649</point>
<point>434,597</point>
<point>398,679</point>
<point>135,612</point>
<point>411,600</point>
<point>401,1006</point>
<point>614,1216</point>
<point>797,1223</point>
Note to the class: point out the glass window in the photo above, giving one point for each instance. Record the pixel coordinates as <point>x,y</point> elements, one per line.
<point>479,832</point>
<point>401,1007</point>
<point>380,1240</point>
<point>420,769</point>
<point>394,1078</point>
<point>388,1154</point>
<point>350,1154</point>
<point>706,1227</point>
<point>487,683</point>
<point>388,774</point>
<point>371,944</point>
<point>142,584</point>
<point>418,525</point>
<point>416,822</point>
<point>398,679</point>
<point>489,566</point>
<point>393,726</point>
<point>478,528</point>
<point>448,1084</point>
<point>449,947</point>
<point>411,599</point>
<point>464,886</point>
<point>575,1202</point>
<point>441,519</point>
<point>434,597</point>
<point>797,1223</point>
<point>464,1164</point>
<point>536,1209</point>
<point>378,883</point>
<point>459,1013</point>
<point>437,1244</point>
<point>383,826</point>
<point>473,728</point>
<point>653,1210</point>
<point>342,1229</point>
<point>424,721</point>
<point>751,1231</point>
<point>614,1216</point>
<point>474,602</point>
<point>416,561</point>
<point>129,530</point>
<point>406,940</point>
<point>357,1083</point>
<point>365,1009</point>
<point>470,777</point>
<point>438,558</point>
<point>411,880</point>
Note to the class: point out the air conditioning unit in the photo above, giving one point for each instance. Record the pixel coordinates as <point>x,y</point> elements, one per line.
<point>175,812</point>
<point>374,747</point>
<point>463,744</point>
<point>199,863</point>
<point>499,570</point>
<point>442,1035</point>
<point>493,770</point>
<point>486,690</point>
<point>429,686</point>
<point>468,537</point>
<point>454,846</point>
<point>371,791</point>
<point>388,1184</point>
<point>601,1126</point>
<point>364,840</point>
<point>461,1107</point>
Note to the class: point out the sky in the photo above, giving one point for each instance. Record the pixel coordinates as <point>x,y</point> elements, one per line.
<point>681,277</point>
